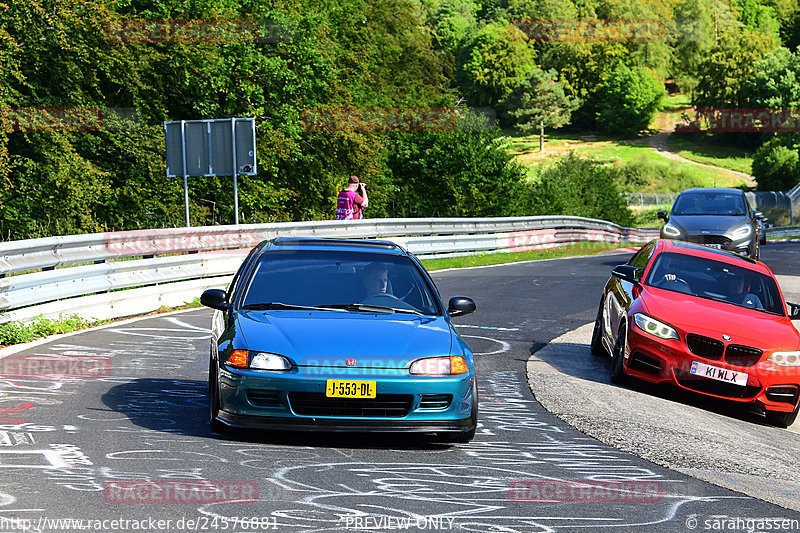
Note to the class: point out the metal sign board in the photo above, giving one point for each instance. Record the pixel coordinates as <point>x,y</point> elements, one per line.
<point>211,147</point>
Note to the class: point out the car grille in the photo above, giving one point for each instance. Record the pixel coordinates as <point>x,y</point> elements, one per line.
<point>704,346</point>
<point>382,406</point>
<point>263,398</point>
<point>435,401</point>
<point>718,388</point>
<point>786,394</point>
<point>644,363</point>
<point>742,355</point>
<point>709,239</point>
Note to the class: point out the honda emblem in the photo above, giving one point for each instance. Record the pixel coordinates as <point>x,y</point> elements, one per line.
<point>350,362</point>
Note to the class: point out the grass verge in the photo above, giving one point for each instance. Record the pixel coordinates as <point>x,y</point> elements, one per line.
<point>621,153</point>
<point>699,147</point>
<point>572,250</point>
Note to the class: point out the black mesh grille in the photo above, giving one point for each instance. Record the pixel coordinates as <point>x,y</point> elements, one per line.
<point>645,363</point>
<point>785,394</point>
<point>709,239</point>
<point>704,346</point>
<point>435,401</point>
<point>718,388</point>
<point>742,355</point>
<point>382,406</point>
<point>263,398</point>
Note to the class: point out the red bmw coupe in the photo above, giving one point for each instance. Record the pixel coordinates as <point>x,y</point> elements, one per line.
<point>702,319</point>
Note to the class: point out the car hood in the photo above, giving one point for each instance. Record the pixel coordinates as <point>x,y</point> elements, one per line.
<point>716,224</point>
<point>324,338</point>
<point>713,319</point>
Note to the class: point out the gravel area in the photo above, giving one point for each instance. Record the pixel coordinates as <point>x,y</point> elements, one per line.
<point>721,443</point>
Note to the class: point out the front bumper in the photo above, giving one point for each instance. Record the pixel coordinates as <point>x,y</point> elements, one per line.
<point>742,246</point>
<point>657,360</point>
<point>296,400</point>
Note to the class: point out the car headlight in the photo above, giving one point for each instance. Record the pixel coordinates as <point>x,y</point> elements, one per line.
<point>439,366</point>
<point>671,230</point>
<point>260,361</point>
<point>785,358</point>
<point>742,231</point>
<point>270,361</point>
<point>654,327</point>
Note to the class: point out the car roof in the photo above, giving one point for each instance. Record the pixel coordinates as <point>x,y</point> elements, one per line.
<point>711,189</point>
<point>698,250</point>
<point>350,245</point>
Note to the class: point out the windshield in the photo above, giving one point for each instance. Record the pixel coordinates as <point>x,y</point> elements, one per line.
<point>710,203</point>
<point>713,280</point>
<point>335,280</point>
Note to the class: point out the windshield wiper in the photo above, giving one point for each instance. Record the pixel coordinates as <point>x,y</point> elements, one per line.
<point>280,305</point>
<point>366,308</point>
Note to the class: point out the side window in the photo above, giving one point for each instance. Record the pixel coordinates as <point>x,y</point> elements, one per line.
<point>237,278</point>
<point>641,258</point>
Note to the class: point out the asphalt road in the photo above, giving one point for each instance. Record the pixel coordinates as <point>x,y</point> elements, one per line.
<point>72,448</point>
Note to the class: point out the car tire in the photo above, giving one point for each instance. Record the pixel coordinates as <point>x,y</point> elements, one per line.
<point>596,345</point>
<point>782,420</point>
<point>213,401</point>
<point>464,437</point>
<point>617,373</point>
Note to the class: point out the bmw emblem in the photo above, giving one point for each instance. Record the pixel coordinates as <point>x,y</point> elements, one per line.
<point>726,337</point>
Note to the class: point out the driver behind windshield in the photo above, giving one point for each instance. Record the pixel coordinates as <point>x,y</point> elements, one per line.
<point>376,279</point>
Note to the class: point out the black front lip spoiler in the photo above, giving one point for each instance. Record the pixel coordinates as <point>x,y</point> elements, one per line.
<point>336,425</point>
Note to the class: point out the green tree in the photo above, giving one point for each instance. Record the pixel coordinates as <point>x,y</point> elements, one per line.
<point>464,171</point>
<point>724,74</point>
<point>493,63</point>
<point>539,101</point>
<point>629,99</point>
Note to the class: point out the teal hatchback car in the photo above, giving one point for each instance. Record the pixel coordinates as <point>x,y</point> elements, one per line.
<point>339,335</point>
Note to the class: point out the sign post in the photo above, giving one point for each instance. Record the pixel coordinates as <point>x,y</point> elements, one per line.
<point>211,147</point>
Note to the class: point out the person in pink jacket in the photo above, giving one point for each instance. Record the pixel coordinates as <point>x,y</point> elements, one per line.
<point>351,200</point>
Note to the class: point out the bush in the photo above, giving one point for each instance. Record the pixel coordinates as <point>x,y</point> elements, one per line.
<point>629,100</point>
<point>18,332</point>
<point>578,187</point>
<point>776,167</point>
<point>465,171</point>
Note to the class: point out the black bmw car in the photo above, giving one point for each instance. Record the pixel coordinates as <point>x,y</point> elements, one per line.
<point>716,217</point>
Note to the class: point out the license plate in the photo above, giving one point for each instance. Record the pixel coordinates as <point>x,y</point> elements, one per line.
<point>344,388</point>
<point>719,374</point>
<point>717,246</point>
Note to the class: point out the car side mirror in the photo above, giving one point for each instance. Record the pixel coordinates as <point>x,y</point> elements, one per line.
<point>794,311</point>
<point>663,216</point>
<point>625,272</point>
<point>215,299</point>
<point>460,305</point>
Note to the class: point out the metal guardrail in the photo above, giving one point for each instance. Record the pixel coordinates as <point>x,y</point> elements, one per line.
<point>168,267</point>
<point>783,232</point>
